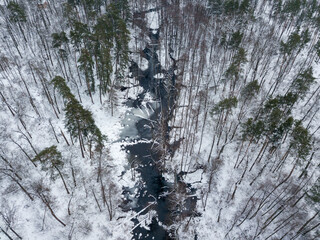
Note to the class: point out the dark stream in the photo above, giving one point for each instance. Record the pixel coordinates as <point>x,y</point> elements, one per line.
<point>152,189</point>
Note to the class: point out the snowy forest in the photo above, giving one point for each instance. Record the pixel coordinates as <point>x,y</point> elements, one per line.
<point>159,119</point>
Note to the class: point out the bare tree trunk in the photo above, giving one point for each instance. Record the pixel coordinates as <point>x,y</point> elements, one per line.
<point>22,188</point>
<point>5,233</point>
<point>62,178</point>
<point>95,198</point>
<point>54,132</point>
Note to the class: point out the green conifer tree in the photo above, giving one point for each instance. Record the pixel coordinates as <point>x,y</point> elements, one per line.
<point>86,66</point>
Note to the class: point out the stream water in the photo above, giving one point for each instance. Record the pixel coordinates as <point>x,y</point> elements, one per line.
<point>147,121</point>
<point>142,124</point>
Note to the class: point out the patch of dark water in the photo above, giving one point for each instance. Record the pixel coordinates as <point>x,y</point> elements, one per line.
<point>152,191</point>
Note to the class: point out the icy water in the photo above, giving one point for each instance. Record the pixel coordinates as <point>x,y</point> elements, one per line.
<point>147,121</point>
<point>142,125</point>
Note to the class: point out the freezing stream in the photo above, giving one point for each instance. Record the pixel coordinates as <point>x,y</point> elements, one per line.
<point>147,143</point>
<point>142,123</point>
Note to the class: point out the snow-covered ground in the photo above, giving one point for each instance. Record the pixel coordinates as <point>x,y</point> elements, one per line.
<point>240,191</point>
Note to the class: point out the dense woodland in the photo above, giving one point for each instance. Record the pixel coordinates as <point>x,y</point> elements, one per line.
<point>243,130</point>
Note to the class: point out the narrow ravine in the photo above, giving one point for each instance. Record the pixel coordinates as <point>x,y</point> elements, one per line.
<point>147,145</point>
<point>151,190</point>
